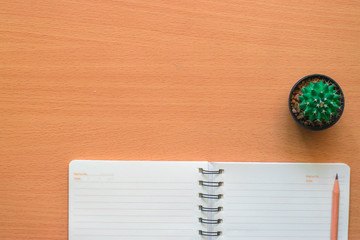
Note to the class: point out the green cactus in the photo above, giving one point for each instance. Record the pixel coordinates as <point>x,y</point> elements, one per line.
<point>319,101</point>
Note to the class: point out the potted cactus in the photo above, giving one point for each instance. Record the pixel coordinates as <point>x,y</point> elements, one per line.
<point>316,102</point>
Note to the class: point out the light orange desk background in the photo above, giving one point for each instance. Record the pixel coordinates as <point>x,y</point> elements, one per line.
<point>163,80</point>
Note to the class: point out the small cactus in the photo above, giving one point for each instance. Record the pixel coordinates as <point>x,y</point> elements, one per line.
<point>319,101</point>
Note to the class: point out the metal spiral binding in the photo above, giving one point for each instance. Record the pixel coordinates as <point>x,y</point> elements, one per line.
<point>207,209</point>
<point>210,221</point>
<point>220,171</point>
<point>204,233</point>
<point>210,196</point>
<point>210,184</point>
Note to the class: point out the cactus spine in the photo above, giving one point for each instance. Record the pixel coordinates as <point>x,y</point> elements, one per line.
<point>319,101</point>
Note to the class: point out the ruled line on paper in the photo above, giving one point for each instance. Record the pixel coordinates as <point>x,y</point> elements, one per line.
<point>276,190</point>
<point>139,189</point>
<point>129,222</point>
<point>281,223</point>
<point>302,182</point>
<point>126,235</point>
<point>307,186</point>
<point>290,197</point>
<point>262,216</point>
<point>95,175</point>
<point>132,229</point>
<point>129,215</point>
<point>269,203</point>
<point>119,202</point>
<point>252,203</point>
<point>289,236</point>
<point>163,182</point>
<point>310,176</point>
<point>279,210</point>
<point>103,195</point>
<point>142,209</point>
<point>279,183</point>
<point>277,217</point>
<point>280,229</point>
<point>323,227</point>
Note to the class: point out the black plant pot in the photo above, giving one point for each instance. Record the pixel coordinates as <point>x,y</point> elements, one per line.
<point>303,121</point>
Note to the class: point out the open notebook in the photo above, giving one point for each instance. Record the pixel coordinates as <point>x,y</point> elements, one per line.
<point>133,200</point>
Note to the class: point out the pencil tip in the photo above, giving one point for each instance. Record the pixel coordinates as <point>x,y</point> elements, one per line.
<point>336,176</point>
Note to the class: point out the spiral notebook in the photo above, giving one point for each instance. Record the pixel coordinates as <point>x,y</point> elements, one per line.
<point>138,200</point>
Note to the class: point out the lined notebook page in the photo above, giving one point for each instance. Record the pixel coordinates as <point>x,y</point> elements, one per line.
<point>282,201</point>
<point>134,200</point>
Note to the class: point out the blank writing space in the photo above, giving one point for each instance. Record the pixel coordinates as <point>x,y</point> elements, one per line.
<point>283,233</point>
<point>310,214</point>
<point>274,188</point>
<point>279,223</point>
<point>173,223</point>
<point>282,196</point>
<point>287,237</point>
<point>135,232</point>
<point>131,189</point>
<point>280,193</point>
<point>137,203</point>
<point>133,229</point>
<point>234,206</point>
<point>151,214</point>
<point>126,183</point>
<point>139,194</point>
<point>135,200</point>
<point>262,210</point>
<point>87,236</point>
<point>133,212</point>
<point>285,227</point>
<point>262,187</point>
<point>171,199</point>
<point>302,181</point>
<point>279,200</point>
<point>280,220</point>
<point>269,232</point>
<point>136,206</point>
<point>271,219</point>
<point>149,219</point>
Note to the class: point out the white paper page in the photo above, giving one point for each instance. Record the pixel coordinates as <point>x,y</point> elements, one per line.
<point>118,200</point>
<point>266,201</point>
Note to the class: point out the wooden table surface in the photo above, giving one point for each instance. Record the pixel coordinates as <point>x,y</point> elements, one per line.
<point>163,80</point>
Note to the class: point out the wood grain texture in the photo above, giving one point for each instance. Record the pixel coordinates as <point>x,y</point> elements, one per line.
<point>163,80</point>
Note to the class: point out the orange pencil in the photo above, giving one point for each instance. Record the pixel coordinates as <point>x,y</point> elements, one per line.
<point>335,210</point>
